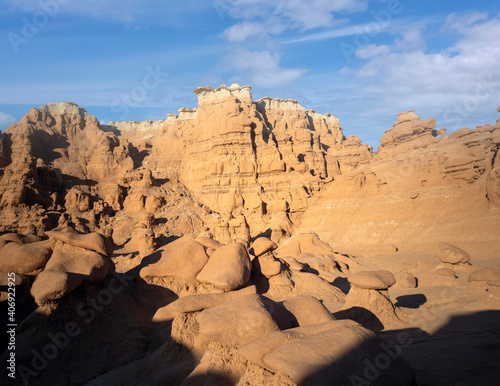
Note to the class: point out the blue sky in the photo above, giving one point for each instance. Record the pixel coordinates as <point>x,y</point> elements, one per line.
<point>361,60</point>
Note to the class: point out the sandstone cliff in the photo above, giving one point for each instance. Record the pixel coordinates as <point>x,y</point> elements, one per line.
<point>238,168</point>
<point>421,187</point>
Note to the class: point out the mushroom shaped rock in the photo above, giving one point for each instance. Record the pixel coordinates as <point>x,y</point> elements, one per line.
<point>92,241</point>
<point>485,274</point>
<point>228,268</point>
<point>25,258</point>
<point>307,310</point>
<point>92,266</point>
<point>451,254</point>
<point>374,280</point>
<point>52,285</point>
<point>261,246</point>
<point>183,259</point>
<point>236,322</point>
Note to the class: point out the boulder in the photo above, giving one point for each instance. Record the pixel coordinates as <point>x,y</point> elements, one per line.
<point>375,280</point>
<point>91,241</point>
<point>24,258</point>
<point>407,280</point>
<point>267,265</point>
<point>307,310</point>
<point>52,285</point>
<point>90,265</point>
<point>236,322</point>
<point>255,350</point>
<point>183,259</point>
<point>209,243</point>
<point>372,309</point>
<point>445,272</point>
<point>484,274</point>
<point>228,268</point>
<point>192,303</point>
<point>261,246</point>
<point>451,254</point>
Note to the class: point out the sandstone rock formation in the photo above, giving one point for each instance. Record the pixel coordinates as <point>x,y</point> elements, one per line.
<point>373,280</point>
<point>451,254</point>
<point>248,242</point>
<point>485,274</point>
<point>228,268</point>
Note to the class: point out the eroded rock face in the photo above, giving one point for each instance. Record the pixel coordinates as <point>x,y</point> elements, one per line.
<point>421,187</point>
<point>241,168</point>
<point>240,157</point>
<point>246,174</point>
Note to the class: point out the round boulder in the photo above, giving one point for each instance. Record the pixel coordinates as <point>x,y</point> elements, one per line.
<point>451,254</point>
<point>25,258</point>
<point>407,280</point>
<point>485,274</point>
<point>307,310</point>
<point>183,259</point>
<point>261,246</point>
<point>52,285</point>
<point>374,280</point>
<point>445,272</point>
<point>228,268</point>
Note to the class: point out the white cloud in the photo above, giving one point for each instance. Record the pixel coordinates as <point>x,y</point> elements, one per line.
<point>242,31</point>
<point>352,30</point>
<point>456,22</point>
<point>457,85</point>
<point>262,17</point>
<point>310,14</point>
<point>411,38</point>
<point>6,120</point>
<point>263,67</point>
<point>372,50</point>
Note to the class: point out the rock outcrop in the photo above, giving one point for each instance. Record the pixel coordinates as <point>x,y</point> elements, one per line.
<point>220,246</point>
